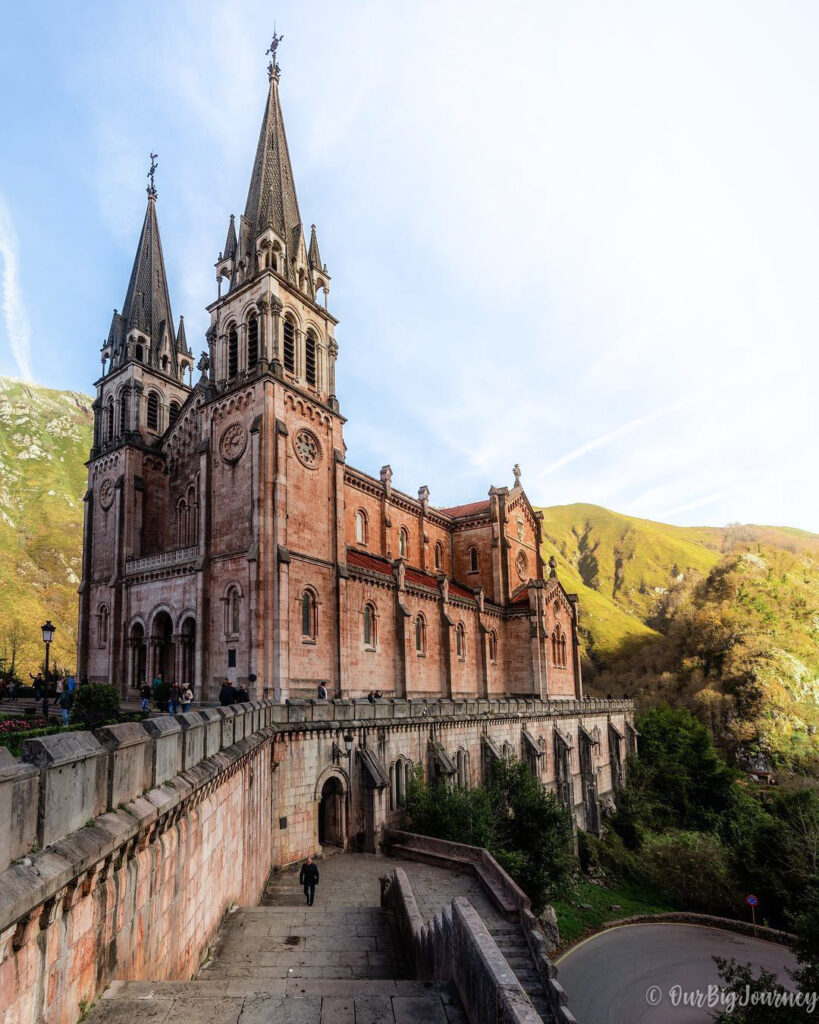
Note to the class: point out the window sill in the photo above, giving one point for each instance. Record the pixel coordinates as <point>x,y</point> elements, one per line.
<point>311,641</point>
<point>370,650</point>
<point>420,654</point>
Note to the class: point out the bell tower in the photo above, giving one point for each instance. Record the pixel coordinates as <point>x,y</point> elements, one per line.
<point>144,359</point>
<point>271,311</point>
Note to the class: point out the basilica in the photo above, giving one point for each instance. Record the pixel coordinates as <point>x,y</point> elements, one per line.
<point>226,536</point>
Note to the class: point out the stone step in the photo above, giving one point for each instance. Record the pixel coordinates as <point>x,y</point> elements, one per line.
<point>330,1003</point>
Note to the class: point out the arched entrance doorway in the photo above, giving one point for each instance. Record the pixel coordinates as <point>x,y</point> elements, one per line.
<point>332,816</point>
<point>163,646</point>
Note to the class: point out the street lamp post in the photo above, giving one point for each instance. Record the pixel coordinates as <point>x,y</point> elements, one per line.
<point>49,629</point>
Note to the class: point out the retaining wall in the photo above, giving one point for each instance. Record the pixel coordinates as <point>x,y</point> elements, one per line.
<point>123,866</point>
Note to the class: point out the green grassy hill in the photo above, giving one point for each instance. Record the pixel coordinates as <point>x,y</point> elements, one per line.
<point>44,441</point>
<point>725,620</point>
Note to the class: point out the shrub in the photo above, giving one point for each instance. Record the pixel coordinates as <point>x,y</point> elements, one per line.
<point>94,704</point>
<point>695,870</point>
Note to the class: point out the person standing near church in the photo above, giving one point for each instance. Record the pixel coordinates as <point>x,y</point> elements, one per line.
<point>308,878</point>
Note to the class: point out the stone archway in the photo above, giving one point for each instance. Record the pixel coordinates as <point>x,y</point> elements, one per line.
<point>163,650</point>
<point>331,794</point>
<point>186,658</point>
<point>137,667</point>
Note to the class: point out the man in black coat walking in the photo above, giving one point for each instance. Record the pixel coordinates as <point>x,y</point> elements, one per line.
<point>308,877</point>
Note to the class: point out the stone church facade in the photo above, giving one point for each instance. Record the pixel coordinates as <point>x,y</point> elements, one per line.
<point>227,537</point>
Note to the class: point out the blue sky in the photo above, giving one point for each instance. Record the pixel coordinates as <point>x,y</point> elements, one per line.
<point>581,237</point>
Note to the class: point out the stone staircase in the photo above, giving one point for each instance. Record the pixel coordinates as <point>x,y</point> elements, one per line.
<point>510,940</point>
<point>333,963</point>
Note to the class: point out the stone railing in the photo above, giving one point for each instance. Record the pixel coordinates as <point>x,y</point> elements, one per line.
<point>296,712</point>
<point>160,561</point>
<point>110,837</point>
<point>507,896</point>
<point>63,780</point>
<point>456,946</point>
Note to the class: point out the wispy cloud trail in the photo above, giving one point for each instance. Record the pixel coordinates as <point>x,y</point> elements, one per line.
<point>613,435</point>
<point>15,315</point>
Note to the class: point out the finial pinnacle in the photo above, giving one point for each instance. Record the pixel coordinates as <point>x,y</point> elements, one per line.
<point>151,189</point>
<point>273,69</point>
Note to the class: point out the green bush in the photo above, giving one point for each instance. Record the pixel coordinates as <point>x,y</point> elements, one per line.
<point>521,825</point>
<point>94,704</point>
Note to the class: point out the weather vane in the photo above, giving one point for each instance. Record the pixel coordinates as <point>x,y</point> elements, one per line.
<point>151,190</point>
<point>273,66</point>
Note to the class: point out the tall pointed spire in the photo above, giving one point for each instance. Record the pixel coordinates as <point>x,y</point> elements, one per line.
<point>271,198</point>
<point>230,241</point>
<point>147,302</point>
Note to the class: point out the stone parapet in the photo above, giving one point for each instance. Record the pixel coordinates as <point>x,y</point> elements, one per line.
<point>73,781</point>
<point>19,790</point>
<point>456,946</point>
<point>166,733</point>
<point>340,711</point>
<point>130,761</point>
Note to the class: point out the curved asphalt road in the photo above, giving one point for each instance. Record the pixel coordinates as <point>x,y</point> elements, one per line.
<point>607,976</point>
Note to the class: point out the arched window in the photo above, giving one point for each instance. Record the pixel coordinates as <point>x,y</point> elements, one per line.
<point>493,646</point>
<point>361,526</point>
<point>109,420</point>
<point>235,610</point>
<point>462,764</point>
<point>558,647</point>
<point>289,345</point>
<point>192,530</point>
<point>165,363</point>
<point>233,351</point>
<point>102,625</point>
<point>123,411</point>
<point>139,353</point>
<point>173,413</point>
<point>181,523</point>
<point>420,635</point>
<point>369,626</point>
<point>439,556</point>
<point>153,411</point>
<point>403,542</point>
<point>252,341</point>
<point>460,640</point>
<point>309,617</point>
<point>473,559</point>
<point>310,358</point>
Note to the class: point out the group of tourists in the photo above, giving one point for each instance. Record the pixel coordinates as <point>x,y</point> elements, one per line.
<point>62,687</point>
<point>177,698</point>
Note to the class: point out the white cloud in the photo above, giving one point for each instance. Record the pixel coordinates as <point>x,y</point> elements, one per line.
<point>15,315</point>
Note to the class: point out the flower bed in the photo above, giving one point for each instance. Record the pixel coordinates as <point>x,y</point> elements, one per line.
<point>8,725</point>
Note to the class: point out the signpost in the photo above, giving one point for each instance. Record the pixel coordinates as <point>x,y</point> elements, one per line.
<point>753,903</point>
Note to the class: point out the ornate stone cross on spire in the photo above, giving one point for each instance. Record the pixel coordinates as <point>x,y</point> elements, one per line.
<point>151,189</point>
<point>273,68</point>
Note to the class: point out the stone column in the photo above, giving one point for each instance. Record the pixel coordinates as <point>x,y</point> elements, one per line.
<point>276,335</point>
<point>264,332</point>
<point>332,351</point>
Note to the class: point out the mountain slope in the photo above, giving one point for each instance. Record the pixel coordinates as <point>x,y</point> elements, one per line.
<point>45,437</point>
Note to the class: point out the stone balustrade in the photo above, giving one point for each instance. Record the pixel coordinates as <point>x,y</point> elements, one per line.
<point>63,780</point>
<point>456,946</point>
<point>384,710</point>
<point>176,557</point>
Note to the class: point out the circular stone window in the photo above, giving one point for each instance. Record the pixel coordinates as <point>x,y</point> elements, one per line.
<point>107,493</point>
<point>521,564</point>
<point>232,442</point>
<point>307,448</point>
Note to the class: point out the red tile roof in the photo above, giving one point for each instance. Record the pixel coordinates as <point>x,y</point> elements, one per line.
<point>522,597</point>
<point>471,509</point>
<point>372,563</point>
<point>375,563</point>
